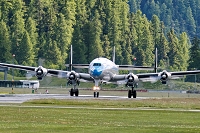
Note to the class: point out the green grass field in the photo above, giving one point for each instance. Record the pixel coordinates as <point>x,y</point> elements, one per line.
<point>102,115</point>
<point>171,113</point>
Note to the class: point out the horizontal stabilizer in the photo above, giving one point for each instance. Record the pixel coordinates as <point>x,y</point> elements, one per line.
<point>78,65</point>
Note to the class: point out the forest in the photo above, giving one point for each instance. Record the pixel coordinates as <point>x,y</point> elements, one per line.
<point>33,29</point>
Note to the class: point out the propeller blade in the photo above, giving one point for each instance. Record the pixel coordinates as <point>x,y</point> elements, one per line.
<point>40,61</point>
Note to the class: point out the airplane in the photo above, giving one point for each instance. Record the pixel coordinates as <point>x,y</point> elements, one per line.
<point>102,70</point>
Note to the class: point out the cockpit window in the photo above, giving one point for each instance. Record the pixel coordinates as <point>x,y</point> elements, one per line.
<point>97,64</point>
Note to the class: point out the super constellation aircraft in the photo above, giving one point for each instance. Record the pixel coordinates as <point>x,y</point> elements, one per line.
<point>102,70</point>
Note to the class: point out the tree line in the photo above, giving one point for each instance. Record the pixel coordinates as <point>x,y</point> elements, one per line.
<point>33,29</point>
<point>182,15</point>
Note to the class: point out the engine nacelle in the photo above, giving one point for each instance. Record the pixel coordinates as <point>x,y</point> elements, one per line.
<point>131,80</point>
<point>73,78</point>
<point>40,72</point>
<point>164,76</point>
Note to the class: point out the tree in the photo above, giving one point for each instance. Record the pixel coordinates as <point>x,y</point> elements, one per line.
<point>30,27</point>
<point>160,41</point>
<point>17,28</point>
<point>194,54</point>
<point>144,41</point>
<point>174,54</point>
<point>184,51</point>
<point>94,37</point>
<point>25,50</point>
<point>5,44</point>
<point>78,40</point>
<point>194,58</point>
<point>190,23</point>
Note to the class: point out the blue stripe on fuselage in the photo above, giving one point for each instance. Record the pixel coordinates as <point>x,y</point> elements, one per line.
<point>96,71</point>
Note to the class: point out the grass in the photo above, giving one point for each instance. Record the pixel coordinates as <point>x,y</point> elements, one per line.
<point>164,103</point>
<point>171,114</point>
<point>96,116</point>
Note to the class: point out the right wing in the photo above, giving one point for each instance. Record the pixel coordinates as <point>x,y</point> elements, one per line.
<point>41,72</point>
<point>131,79</point>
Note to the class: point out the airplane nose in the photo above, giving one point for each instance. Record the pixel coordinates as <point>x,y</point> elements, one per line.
<point>96,72</point>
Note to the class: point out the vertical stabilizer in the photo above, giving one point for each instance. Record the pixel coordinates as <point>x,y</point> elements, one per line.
<point>114,54</point>
<point>156,61</point>
<point>70,65</point>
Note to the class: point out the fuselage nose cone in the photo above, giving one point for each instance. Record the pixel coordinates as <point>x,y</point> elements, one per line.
<point>96,72</point>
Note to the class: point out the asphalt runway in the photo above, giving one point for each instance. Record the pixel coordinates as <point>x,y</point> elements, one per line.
<point>20,98</point>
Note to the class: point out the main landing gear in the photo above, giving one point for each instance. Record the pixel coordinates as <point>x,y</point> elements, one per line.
<point>131,93</point>
<point>74,92</point>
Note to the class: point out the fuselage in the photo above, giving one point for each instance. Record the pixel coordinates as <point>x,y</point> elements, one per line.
<point>102,69</point>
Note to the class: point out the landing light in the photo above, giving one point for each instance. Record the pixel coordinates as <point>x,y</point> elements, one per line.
<point>96,88</point>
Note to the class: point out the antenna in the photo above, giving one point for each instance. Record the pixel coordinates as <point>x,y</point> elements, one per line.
<point>114,54</point>
<point>156,61</point>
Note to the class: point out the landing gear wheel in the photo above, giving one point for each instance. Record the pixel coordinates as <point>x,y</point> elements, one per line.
<point>96,94</point>
<point>72,92</point>
<point>132,93</point>
<point>76,91</point>
<point>129,93</point>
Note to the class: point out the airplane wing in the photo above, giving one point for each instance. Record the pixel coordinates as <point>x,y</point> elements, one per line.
<point>132,67</point>
<point>40,72</point>
<point>78,65</point>
<point>121,67</point>
<point>26,68</point>
<point>163,76</point>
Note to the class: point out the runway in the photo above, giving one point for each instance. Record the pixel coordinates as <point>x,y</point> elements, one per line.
<point>20,98</point>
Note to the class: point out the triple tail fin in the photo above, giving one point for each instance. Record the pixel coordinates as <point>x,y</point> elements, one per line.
<point>114,54</point>
<point>71,57</point>
<point>156,61</point>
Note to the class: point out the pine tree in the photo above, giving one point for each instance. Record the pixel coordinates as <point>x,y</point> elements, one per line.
<point>190,23</point>
<point>160,41</point>
<point>194,59</point>
<point>5,44</point>
<point>32,32</point>
<point>174,54</point>
<point>17,28</point>
<point>26,53</point>
<point>144,41</point>
<point>184,51</point>
<point>94,37</point>
<point>78,43</point>
<point>194,54</point>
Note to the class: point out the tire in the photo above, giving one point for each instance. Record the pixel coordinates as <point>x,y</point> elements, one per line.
<point>129,93</point>
<point>72,92</point>
<point>94,94</point>
<point>134,94</point>
<point>76,92</point>
<point>97,94</point>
